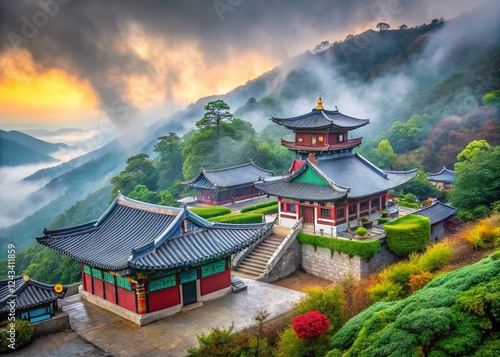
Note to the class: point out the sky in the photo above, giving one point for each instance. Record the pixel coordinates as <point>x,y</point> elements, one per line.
<point>74,63</point>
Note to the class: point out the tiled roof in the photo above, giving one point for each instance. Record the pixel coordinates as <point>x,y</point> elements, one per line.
<point>141,235</point>
<point>28,293</point>
<point>331,120</point>
<point>445,175</point>
<point>350,175</point>
<point>229,177</point>
<point>436,212</point>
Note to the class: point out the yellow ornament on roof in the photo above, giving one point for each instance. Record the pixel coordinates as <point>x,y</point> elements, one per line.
<point>320,104</point>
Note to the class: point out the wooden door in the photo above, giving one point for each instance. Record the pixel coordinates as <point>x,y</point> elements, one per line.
<point>189,293</point>
<point>307,213</point>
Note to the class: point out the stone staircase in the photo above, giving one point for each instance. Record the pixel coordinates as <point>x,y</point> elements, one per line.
<point>254,264</point>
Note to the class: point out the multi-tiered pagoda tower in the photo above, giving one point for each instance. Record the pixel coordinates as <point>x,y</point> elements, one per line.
<point>328,185</point>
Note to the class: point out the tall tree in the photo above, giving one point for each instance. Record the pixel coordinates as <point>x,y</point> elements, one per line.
<point>139,170</point>
<point>215,112</point>
<point>170,160</point>
<point>478,184</point>
<point>471,150</point>
<point>385,156</point>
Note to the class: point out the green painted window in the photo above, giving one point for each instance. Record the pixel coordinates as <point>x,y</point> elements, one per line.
<point>96,273</point>
<point>86,269</point>
<point>188,275</point>
<point>310,176</point>
<point>109,278</point>
<point>123,283</point>
<point>213,268</point>
<point>162,283</point>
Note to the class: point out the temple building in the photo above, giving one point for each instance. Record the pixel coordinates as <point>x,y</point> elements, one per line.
<point>439,215</point>
<point>145,262</point>
<point>215,187</point>
<point>28,299</point>
<point>443,179</point>
<point>328,185</point>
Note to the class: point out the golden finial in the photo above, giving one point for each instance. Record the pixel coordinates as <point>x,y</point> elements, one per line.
<point>320,104</point>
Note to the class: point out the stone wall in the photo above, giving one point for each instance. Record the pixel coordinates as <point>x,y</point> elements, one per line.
<point>287,265</point>
<point>323,264</point>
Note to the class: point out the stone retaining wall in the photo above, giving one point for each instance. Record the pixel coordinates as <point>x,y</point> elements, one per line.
<point>324,264</point>
<point>287,265</point>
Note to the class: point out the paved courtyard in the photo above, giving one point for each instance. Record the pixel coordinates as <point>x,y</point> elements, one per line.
<point>173,335</point>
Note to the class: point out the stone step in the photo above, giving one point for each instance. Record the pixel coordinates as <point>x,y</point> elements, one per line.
<point>256,258</point>
<point>248,269</point>
<point>254,264</point>
<point>261,255</point>
<point>268,245</point>
<point>245,274</point>
<point>264,250</point>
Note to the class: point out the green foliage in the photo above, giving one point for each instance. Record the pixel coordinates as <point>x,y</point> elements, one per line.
<point>23,335</point>
<point>349,247</point>
<point>409,135</point>
<point>209,212</point>
<point>408,234</point>
<point>259,205</point>
<point>215,113</point>
<point>266,210</point>
<point>142,193</point>
<point>139,171</point>
<point>490,347</point>
<point>238,218</point>
<point>470,151</point>
<point>385,214</point>
<point>219,342</point>
<point>384,155</point>
<point>361,231</point>
<point>492,98</point>
<point>382,220</point>
<point>420,188</point>
<point>478,184</point>
<point>328,301</point>
<point>435,257</point>
<point>170,160</point>
<point>386,291</point>
<point>291,346</point>
<point>452,315</point>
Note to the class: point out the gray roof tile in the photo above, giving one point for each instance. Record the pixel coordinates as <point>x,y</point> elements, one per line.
<point>322,120</point>
<point>436,212</point>
<point>445,175</point>
<point>136,234</point>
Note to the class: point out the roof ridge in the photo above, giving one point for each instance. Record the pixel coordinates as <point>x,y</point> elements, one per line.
<point>372,166</point>
<point>144,206</point>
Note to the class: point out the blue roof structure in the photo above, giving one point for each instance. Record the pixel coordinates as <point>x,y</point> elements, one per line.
<point>349,176</point>
<point>28,293</point>
<point>241,175</point>
<point>445,176</point>
<point>134,234</point>
<point>436,212</point>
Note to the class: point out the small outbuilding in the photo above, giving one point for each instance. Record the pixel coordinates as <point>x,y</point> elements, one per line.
<point>439,215</point>
<point>443,179</point>
<point>216,187</point>
<point>25,299</point>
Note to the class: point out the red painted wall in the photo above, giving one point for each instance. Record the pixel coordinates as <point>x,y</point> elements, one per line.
<point>215,282</point>
<point>98,288</point>
<point>162,299</point>
<point>110,292</point>
<point>87,282</point>
<point>126,299</point>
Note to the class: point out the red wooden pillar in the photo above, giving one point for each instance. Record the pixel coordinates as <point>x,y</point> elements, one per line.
<point>84,283</point>
<point>141,298</point>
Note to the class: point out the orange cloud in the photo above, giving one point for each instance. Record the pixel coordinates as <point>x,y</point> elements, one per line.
<point>51,96</point>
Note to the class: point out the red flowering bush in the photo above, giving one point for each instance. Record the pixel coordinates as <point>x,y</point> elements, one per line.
<point>310,325</point>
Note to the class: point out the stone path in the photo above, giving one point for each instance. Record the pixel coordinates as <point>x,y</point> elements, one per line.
<point>173,335</point>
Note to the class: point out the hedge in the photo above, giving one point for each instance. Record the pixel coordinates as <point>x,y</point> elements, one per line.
<point>408,234</point>
<point>238,218</point>
<point>266,210</point>
<point>23,335</point>
<point>349,247</point>
<point>259,205</point>
<point>408,204</point>
<point>212,211</point>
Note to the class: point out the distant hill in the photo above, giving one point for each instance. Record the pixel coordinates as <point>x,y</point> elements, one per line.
<point>45,132</point>
<point>13,153</point>
<point>32,143</point>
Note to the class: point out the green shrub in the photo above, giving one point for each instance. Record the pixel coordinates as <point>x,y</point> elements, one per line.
<point>349,247</point>
<point>361,231</point>
<point>408,234</point>
<point>238,218</point>
<point>266,210</point>
<point>408,204</point>
<point>386,291</point>
<point>23,335</point>
<point>365,219</point>
<point>385,214</point>
<point>401,272</point>
<point>328,301</point>
<point>382,220</point>
<point>435,257</point>
<point>212,211</point>
<point>290,345</point>
<point>259,205</point>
